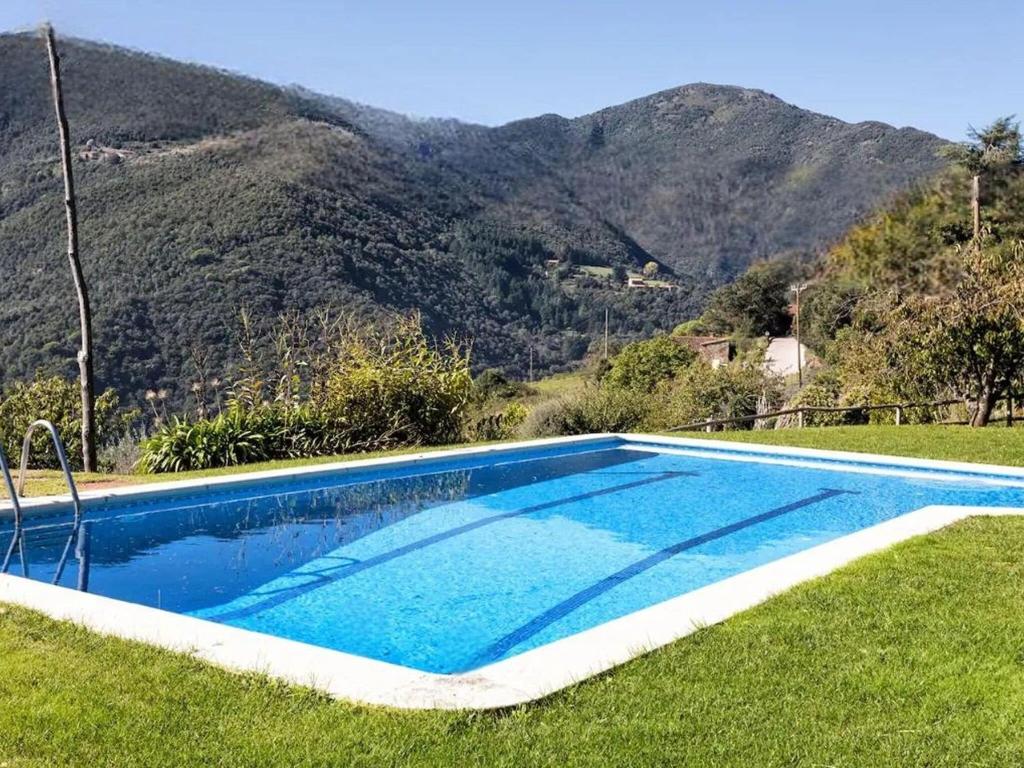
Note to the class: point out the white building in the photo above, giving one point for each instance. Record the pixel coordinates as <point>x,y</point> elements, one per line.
<point>781,357</point>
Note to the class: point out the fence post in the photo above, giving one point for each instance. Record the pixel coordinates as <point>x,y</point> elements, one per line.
<point>709,427</point>
<point>1009,410</point>
<point>899,415</point>
<point>800,419</point>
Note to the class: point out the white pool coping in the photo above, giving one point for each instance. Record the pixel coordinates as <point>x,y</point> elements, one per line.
<point>527,676</point>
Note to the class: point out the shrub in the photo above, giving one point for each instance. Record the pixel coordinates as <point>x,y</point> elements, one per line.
<point>503,425</point>
<point>823,392</point>
<point>364,389</point>
<point>493,384</point>
<point>224,440</point>
<point>695,327</point>
<point>597,409</point>
<point>396,389</point>
<point>701,393</point>
<point>642,365</point>
<point>55,399</point>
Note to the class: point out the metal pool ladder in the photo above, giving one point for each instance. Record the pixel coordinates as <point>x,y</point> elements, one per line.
<point>18,537</point>
<point>18,540</point>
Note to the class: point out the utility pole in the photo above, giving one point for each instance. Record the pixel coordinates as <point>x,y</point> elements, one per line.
<point>85,367</point>
<point>798,287</point>
<point>976,206</point>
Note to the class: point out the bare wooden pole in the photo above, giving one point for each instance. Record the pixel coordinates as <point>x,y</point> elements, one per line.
<point>85,367</point>
<point>976,205</point>
<point>799,353</point>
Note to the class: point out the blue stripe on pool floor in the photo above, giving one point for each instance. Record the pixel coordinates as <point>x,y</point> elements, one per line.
<point>352,569</point>
<point>567,606</point>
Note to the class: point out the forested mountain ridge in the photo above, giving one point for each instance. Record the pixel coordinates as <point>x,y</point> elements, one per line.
<point>202,191</point>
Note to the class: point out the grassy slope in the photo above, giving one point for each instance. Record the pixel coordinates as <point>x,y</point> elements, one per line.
<point>910,657</point>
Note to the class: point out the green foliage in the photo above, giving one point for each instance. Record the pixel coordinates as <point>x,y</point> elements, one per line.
<point>913,245</point>
<point>823,392</point>
<point>991,148</point>
<point>825,309</point>
<point>971,340</point>
<point>493,384</point>
<point>226,440</point>
<point>965,343</point>
<point>756,304</point>
<point>58,400</point>
<point>695,327</point>
<point>365,388</point>
<point>701,393</point>
<point>596,409</point>
<point>503,425</point>
<point>642,365</point>
<point>906,246</point>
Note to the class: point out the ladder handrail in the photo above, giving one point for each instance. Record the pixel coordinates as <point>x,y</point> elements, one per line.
<point>5,469</point>
<point>62,457</point>
<point>17,538</point>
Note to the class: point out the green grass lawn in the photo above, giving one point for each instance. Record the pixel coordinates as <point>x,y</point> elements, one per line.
<point>914,656</point>
<point>559,384</point>
<point>992,445</point>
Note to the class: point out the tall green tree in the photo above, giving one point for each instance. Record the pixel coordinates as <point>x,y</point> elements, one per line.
<point>967,343</point>
<point>642,365</point>
<point>990,149</point>
<point>756,304</point>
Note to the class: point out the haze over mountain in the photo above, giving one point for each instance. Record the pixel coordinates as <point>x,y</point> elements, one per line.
<point>202,191</point>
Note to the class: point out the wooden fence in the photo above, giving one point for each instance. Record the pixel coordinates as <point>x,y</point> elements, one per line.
<point>711,425</point>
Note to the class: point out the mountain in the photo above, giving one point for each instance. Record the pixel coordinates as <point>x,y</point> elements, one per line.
<point>201,192</point>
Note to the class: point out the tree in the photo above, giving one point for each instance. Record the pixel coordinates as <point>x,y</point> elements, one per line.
<point>640,366</point>
<point>651,269</point>
<point>828,307</point>
<point>992,148</point>
<point>756,304</point>
<point>974,337</point>
<point>85,364</point>
<point>967,343</point>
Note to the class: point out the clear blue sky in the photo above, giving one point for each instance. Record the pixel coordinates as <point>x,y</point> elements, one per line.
<point>937,65</point>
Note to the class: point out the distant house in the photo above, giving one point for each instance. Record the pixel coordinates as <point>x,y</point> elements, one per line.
<point>637,281</point>
<point>781,357</point>
<point>714,350</point>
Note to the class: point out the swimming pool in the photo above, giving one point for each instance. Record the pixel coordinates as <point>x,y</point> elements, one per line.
<point>447,565</point>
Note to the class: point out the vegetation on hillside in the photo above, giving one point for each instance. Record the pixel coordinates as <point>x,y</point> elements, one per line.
<point>913,305</point>
<point>201,192</point>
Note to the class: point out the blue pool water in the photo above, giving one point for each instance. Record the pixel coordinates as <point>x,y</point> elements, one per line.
<point>453,563</point>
